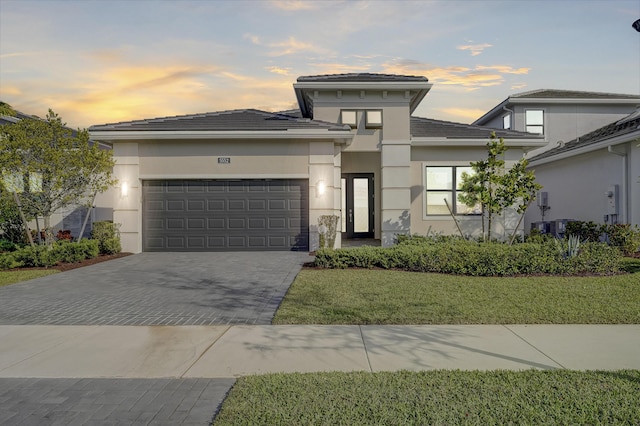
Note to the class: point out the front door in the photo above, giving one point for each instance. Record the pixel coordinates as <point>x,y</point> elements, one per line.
<point>357,205</point>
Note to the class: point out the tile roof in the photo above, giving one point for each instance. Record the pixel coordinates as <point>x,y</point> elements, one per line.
<point>571,94</point>
<point>234,120</point>
<point>427,127</point>
<point>622,127</point>
<point>361,77</point>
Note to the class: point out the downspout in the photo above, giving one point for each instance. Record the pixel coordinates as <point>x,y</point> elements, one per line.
<point>624,186</point>
<point>513,116</point>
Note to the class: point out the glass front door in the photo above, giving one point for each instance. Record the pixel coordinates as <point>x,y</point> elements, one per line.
<point>357,205</point>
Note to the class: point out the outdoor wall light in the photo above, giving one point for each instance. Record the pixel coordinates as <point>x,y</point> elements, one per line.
<point>124,189</point>
<point>321,188</point>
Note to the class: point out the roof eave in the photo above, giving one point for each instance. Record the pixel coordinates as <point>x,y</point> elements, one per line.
<point>420,87</point>
<point>617,140</point>
<point>342,136</point>
<point>475,142</point>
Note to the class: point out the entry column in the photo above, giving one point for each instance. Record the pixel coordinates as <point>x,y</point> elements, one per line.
<point>395,190</point>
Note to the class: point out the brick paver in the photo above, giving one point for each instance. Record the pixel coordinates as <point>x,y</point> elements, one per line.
<point>157,289</point>
<point>111,401</point>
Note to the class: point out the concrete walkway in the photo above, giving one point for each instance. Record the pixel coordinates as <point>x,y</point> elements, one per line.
<point>179,375</point>
<point>233,351</point>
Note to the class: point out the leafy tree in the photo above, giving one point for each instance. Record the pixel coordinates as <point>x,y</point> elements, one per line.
<point>49,166</point>
<point>494,188</point>
<point>11,226</point>
<point>6,109</point>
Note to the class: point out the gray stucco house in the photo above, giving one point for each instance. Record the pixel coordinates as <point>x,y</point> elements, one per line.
<point>589,163</point>
<point>595,177</point>
<point>256,180</point>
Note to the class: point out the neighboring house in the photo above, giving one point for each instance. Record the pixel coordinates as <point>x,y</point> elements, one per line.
<point>559,115</point>
<point>72,217</point>
<point>256,180</point>
<point>594,177</point>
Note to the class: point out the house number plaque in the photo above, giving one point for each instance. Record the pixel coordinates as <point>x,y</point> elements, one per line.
<point>224,160</point>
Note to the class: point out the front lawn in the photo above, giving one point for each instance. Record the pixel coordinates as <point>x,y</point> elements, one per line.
<point>435,397</point>
<point>12,277</point>
<point>362,296</point>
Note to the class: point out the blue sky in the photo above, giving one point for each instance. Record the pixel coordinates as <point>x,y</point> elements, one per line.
<point>95,62</point>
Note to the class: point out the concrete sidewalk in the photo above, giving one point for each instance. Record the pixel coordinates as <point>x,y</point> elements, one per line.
<point>232,351</point>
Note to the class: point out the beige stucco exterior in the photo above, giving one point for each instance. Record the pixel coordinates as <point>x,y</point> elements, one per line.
<point>387,151</point>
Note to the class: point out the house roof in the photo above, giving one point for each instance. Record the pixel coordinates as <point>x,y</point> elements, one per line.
<point>427,127</point>
<point>361,77</point>
<point>548,96</point>
<point>620,128</point>
<point>225,121</point>
<point>572,94</point>
<point>306,86</point>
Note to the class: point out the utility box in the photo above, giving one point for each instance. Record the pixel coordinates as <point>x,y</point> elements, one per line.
<point>561,227</point>
<point>612,195</point>
<point>542,227</point>
<point>543,199</point>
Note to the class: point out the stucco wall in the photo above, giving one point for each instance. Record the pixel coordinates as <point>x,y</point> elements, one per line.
<point>199,159</point>
<point>576,186</point>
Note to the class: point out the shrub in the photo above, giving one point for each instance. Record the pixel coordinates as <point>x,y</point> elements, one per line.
<point>457,256</point>
<point>10,222</point>
<point>7,261</point>
<point>106,233</point>
<point>6,245</point>
<point>50,255</point>
<point>586,231</point>
<point>625,237</point>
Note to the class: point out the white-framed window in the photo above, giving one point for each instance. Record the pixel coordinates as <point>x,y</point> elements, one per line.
<point>506,122</point>
<point>373,118</point>
<point>349,117</point>
<point>443,182</point>
<point>534,121</point>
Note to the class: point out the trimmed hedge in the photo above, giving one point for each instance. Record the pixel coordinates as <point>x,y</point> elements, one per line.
<point>50,255</point>
<point>460,257</point>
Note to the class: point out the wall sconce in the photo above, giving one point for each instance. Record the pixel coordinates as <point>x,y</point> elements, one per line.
<point>124,189</point>
<point>321,188</point>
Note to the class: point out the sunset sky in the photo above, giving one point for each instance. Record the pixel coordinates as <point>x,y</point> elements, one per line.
<point>95,62</point>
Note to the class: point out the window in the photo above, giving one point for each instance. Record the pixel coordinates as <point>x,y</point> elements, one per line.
<point>534,121</point>
<point>506,122</point>
<point>374,119</point>
<point>348,117</point>
<point>443,183</point>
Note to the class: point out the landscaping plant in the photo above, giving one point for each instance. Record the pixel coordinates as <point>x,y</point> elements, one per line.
<point>494,188</point>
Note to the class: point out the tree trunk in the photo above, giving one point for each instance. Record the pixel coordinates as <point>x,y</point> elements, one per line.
<point>24,219</point>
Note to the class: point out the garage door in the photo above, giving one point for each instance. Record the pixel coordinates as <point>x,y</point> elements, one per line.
<point>196,215</point>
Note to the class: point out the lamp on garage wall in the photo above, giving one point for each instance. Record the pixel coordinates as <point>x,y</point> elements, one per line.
<point>321,188</point>
<point>124,189</point>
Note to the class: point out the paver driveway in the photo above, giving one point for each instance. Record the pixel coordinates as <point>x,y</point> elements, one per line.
<point>158,289</point>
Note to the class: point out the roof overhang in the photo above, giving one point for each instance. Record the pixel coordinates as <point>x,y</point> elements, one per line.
<point>419,90</point>
<point>338,136</point>
<point>469,142</point>
<point>604,144</point>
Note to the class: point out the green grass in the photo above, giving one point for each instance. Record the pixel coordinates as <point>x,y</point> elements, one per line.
<point>435,397</point>
<point>12,277</point>
<point>361,296</point>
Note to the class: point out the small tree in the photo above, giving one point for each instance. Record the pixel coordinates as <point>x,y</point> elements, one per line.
<point>51,167</point>
<point>494,188</point>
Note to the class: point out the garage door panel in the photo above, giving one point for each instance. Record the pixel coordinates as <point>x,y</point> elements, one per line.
<point>196,205</point>
<point>225,215</point>
<point>216,205</point>
<point>175,224</point>
<point>196,224</point>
